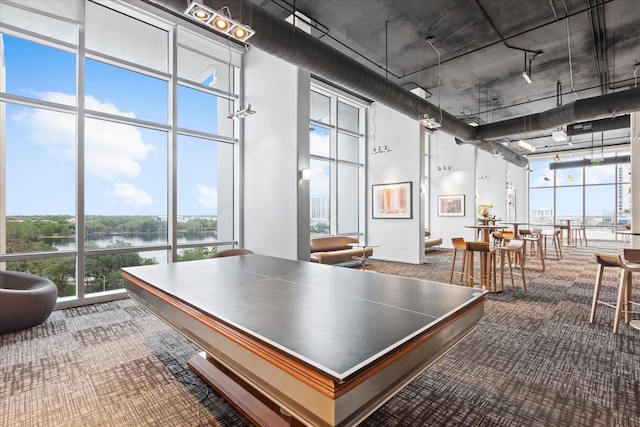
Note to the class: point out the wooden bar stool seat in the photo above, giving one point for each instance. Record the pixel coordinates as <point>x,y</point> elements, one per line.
<point>515,247</point>
<point>628,265</point>
<point>507,235</point>
<point>487,256</point>
<point>458,245</point>
<point>497,238</point>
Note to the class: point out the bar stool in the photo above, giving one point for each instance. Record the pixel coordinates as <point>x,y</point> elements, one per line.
<point>507,235</point>
<point>628,266</point>
<point>556,239</point>
<point>497,238</point>
<point>534,239</point>
<point>458,245</point>
<point>631,264</point>
<point>487,265</point>
<point>578,233</point>
<point>515,247</point>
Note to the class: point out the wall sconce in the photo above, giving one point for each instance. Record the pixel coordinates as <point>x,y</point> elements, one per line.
<point>380,149</point>
<point>305,174</point>
<point>241,113</point>
<point>221,20</point>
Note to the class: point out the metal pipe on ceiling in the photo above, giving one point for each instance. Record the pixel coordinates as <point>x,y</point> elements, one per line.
<point>610,105</point>
<point>277,37</point>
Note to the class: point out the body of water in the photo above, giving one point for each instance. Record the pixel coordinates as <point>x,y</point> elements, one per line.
<point>118,241</point>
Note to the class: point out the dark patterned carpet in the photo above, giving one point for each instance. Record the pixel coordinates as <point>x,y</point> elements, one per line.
<point>534,360</point>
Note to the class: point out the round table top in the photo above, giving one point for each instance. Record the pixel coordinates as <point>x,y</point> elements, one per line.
<point>629,232</point>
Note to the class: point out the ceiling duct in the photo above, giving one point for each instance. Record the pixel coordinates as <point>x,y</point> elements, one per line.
<point>594,126</point>
<point>589,162</point>
<point>277,37</point>
<point>498,150</point>
<point>610,105</point>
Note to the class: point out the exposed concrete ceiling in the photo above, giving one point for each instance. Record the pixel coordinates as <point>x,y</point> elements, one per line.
<point>482,46</point>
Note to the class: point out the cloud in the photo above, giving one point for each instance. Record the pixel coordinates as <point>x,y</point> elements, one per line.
<point>602,174</point>
<point>320,179</point>
<point>207,196</point>
<point>129,194</point>
<point>112,150</point>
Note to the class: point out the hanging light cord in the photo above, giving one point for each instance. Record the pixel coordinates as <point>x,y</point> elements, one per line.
<point>373,122</point>
<point>434,48</point>
<point>569,46</point>
<point>229,78</point>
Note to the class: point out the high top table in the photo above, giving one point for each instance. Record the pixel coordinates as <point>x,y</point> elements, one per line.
<point>296,343</point>
<point>516,229</point>
<point>486,230</point>
<point>567,227</point>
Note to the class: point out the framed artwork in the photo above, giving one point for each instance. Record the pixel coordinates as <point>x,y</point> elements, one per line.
<point>451,205</point>
<point>392,200</point>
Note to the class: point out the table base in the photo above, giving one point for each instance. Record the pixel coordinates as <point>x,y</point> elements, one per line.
<point>248,401</point>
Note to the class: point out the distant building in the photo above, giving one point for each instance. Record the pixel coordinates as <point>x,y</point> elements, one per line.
<point>320,208</point>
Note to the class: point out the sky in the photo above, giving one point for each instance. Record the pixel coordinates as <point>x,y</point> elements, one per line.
<point>599,198</point>
<point>125,166</point>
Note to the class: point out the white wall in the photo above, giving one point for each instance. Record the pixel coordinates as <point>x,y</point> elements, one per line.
<point>459,180</point>
<point>399,239</point>
<point>276,201</point>
<point>478,175</point>
<point>518,178</point>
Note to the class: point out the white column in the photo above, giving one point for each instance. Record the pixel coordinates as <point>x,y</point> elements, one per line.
<point>635,178</point>
<point>3,160</point>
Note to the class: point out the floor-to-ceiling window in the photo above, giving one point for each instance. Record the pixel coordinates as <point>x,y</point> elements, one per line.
<point>114,153</point>
<point>594,194</point>
<point>337,136</point>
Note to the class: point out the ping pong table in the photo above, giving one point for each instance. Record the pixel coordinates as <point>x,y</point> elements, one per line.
<point>296,343</point>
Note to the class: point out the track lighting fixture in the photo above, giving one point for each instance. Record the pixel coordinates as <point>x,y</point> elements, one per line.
<point>527,71</point>
<point>425,119</point>
<point>220,21</point>
<point>429,122</point>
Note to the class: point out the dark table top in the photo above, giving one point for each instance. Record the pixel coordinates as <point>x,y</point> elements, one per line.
<point>333,318</point>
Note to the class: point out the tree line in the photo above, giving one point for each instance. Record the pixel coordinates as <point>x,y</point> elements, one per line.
<point>27,234</point>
